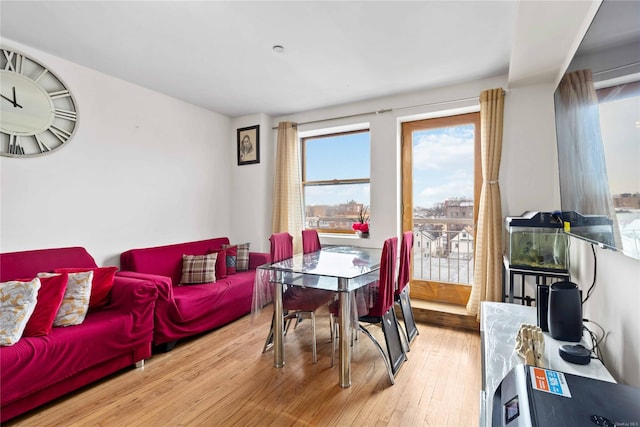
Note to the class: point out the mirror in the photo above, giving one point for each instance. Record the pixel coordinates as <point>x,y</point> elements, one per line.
<point>597,107</point>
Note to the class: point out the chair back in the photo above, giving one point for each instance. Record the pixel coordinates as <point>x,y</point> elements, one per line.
<point>310,241</point>
<point>386,282</point>
<point>404,269</point>
<point>281,246</point>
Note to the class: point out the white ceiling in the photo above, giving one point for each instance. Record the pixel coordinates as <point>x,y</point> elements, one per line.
<point>218,54</point>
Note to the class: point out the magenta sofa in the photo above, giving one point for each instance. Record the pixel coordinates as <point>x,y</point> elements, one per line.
<point>183,311</point>
<point>36,370</point>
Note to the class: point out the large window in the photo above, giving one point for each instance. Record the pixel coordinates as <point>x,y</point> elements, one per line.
<point>335,179</point>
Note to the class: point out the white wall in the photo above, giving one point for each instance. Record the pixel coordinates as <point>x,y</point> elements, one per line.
<point>142,169</point>
<point>252,187</point>
<point>613,305</point>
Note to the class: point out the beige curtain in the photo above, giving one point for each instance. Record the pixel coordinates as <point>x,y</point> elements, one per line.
<point>287,185</point>
<point>487,277</point>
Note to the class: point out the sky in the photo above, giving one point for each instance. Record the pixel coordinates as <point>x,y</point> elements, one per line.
<point>442,166</point>
<point>344,157</point>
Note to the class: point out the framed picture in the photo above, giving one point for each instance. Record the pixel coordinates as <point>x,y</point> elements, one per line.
<point>249,145</point>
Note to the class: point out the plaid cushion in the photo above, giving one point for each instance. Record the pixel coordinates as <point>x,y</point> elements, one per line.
<point>241,259</point>
<point>198,268</point>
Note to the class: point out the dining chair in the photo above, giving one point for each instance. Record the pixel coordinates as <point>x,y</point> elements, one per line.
<point>401,295</point>
<point>310,241</point>
<point>381,310</point>
<point>296,301</point>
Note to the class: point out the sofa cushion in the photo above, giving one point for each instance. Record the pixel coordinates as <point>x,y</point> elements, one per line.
<point>50,296</point>
<point>17,302</point>
<point>75,303</point>
<point>198,268</point>
<point>239,260</point>
<point>221,263</point>
<point>101,283</point>
<point>231,258</point>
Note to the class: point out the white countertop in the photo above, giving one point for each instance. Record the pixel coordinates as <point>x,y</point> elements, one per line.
<point>499,325</point>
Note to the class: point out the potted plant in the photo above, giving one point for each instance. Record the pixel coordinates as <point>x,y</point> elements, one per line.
<point>361,225</point>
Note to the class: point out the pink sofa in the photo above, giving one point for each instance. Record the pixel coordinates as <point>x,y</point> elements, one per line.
<point>183,311</point>
<point>38,369</point>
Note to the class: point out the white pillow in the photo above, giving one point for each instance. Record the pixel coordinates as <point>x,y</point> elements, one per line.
<point>75,302</point>
<point>17,302</point>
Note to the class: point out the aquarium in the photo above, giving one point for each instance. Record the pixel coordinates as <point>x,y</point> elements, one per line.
<point>536,240</point>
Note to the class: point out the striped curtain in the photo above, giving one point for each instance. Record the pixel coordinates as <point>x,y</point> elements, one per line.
<point>487,277</point>
<point>287,187</point>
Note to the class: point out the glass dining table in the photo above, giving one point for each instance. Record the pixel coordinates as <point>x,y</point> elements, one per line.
<point>341,269</point>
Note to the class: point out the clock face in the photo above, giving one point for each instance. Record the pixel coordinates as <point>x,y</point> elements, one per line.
<point>38,114</point>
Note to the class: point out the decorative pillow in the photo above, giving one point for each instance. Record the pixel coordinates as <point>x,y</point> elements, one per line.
<point>198,269</point>
<point>101,283</point>
<point>75,302</point>
<point>49,300</point>
<point>17,302</point>
<point>221,263</point>
<point>232,255</point>
<point>242,257</point>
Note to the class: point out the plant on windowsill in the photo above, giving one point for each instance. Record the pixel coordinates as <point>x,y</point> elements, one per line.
<point>361,226</point>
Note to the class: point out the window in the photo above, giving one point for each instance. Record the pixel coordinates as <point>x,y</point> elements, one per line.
<point>335,179</point>
<point>441,179</point>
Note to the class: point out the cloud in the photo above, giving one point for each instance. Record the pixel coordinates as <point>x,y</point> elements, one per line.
<point>443,149</point>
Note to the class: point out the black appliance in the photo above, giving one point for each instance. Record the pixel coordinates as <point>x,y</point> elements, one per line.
<point>542,307</point>
<point>565,312</point>
<point>531,396</point>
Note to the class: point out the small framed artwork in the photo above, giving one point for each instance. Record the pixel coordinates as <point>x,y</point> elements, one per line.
<point>249,145</point>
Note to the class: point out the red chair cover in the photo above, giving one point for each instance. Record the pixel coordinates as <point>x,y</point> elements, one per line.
<point>310,241</point>
<point>281,246</point>
<point>386,284</point>
<point>405,261</point>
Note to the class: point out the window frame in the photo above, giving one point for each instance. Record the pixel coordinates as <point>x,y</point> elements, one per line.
<point>305,182</point>
<point>429,290</point>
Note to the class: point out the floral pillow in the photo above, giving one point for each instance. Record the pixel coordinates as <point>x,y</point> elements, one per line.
<point>198,269</point>
<point>17,302</point>
<point>75,302</point>
<point>101,283</point>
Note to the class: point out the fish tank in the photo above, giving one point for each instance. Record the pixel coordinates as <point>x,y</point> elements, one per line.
<point>537,241</point>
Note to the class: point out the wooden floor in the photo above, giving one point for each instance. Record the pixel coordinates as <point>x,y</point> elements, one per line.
<point>222,378</point>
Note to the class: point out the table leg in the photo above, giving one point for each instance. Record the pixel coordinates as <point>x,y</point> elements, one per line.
<point>345,346</point>
<point>278,344</point>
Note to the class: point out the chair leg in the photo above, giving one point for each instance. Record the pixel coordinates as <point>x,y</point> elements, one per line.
<point>269,341</point>
<point>404,336</point>
<point>407,314</point>
<point>381,351</point>
<point>313,328</point>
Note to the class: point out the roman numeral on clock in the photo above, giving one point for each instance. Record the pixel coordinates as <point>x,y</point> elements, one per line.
<point>65,114</point>
<point>14,61</point>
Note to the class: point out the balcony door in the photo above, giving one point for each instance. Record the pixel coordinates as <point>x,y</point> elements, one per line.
<point>441,179</point>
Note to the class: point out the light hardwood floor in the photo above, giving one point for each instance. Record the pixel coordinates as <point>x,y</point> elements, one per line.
<point>221,378</point>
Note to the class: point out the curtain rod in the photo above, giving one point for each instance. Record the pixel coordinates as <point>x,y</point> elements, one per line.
<point>387,110</point>
<point>621,67</point>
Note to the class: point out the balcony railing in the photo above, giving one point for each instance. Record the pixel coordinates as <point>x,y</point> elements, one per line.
<point>443,254</point>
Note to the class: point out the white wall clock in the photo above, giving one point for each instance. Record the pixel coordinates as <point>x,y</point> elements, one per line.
<point>38,113</point>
